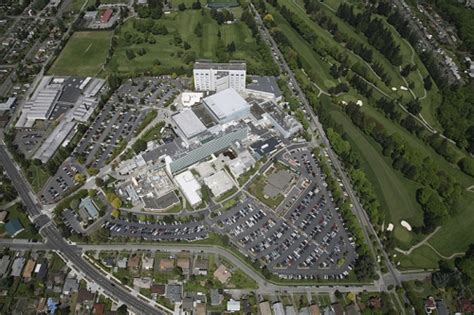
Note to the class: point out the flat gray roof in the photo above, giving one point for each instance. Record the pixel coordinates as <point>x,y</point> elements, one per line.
<point>225,103</point>
<point>189,123</point>
<point>232,65</point>
<point>264,84</point>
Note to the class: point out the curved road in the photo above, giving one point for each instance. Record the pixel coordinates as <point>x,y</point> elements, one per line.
<point>55,241</point>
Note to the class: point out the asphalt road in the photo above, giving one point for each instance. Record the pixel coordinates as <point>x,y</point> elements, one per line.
<point>70,252</point>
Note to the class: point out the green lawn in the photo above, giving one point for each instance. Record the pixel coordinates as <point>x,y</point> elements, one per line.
<point>188,3</point>
<point>395,193</point>
<point>76,5</point>
<point>83,55</point>
<point>421,258</point>
<point>37,177</point>
<point>311,60</point>
<point>166,55</point>
<point>256,189</point>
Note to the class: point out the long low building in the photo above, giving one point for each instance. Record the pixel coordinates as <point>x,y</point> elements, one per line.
<point>207,149</point>
<point>54,141</point>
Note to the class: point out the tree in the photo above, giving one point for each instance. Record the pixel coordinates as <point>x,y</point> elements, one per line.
<point>414,107</point>
<point>100,236</point>
<point>130,54</point>
<point>467,165</point>
<point>427,82</point>
<point>181,6</point>
<point>122,310</point>
<point>99,182</point>
<point>196,5</point>
<point>268,20</point>
<point>139,146</point>
<point>79,178</point>
<point>231,47</point>
<point>116,203</point>
<point>198,30</point>
<point>74,204</point>
<point>115,213</point>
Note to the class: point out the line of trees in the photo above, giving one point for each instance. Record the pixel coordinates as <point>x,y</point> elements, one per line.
<point>374,29</point>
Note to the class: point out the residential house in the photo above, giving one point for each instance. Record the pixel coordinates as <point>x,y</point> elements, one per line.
<point>41,269</point>
<point>166,264</point>
<point>14,227</point>
<point>265,308</point>
<point>233,306</point>
<point>338,309</point>
<point>4,263</point>
<point>290,310</point>
<point>17,266</point>
<point>278,308</point>
<point>222,274</point>
<point>98,309</point>
<point>314,310</point>
<point>85,299</point>
<point>71,285</point>
<point>216,296</point>
<point>200,267</point>
<point>3,216</point>
<point>108,261</point>
<point>183,263</point>
<point>158,289</point>
<point>30,266</point>
<point>200,309</point>
<point>174,292</point>
<point>134,263</point>
<point>147,263</point>
<point>142,283</point>
<point>122,262</point>
<point>352,309</point>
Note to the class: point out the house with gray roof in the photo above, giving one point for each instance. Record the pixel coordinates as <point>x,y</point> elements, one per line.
<point>17,266</point>
<point>4,263</point>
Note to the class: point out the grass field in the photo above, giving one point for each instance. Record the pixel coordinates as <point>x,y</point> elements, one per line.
<point>170,55</point>
<point>395,193</point>
<point>37,177</point>
<point>83,55</point>
<point>76,5</point>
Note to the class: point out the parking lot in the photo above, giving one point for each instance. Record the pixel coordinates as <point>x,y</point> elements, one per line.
<point>61,183</point>
<point>305,238</point>
<point>151,91</point>
<point>113,125</point>
<point>190,231</point>
<point>122,114</point>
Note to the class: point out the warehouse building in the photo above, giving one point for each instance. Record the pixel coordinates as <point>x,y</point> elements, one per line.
<point>215,77</point>
<point>41,104</point>
<point>227,105</point>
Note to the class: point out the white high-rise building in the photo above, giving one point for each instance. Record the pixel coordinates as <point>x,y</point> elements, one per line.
<point>215,77</point>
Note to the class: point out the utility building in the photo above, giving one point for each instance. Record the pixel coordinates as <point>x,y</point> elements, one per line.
<point>215,77</point>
